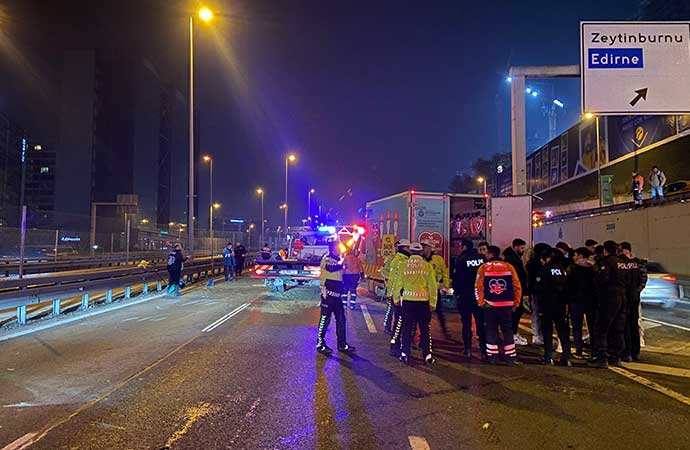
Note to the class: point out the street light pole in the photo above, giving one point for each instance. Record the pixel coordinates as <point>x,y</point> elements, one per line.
<point>311,191</point>
<point>190,207</point>
<point>285,212</point>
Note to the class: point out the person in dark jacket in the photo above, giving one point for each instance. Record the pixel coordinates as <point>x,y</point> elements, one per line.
<point>240,253</point>
<point>513,256</point>
<point>533,267</point>
<point>637,282</point>
<point>175,260</point>
<point>229,262</point>
<point>610,281</point>
<point>591,244</point>
<point>567,251</point>
<point>581,295</point>
<point>265,252</point>
<point>551,286</point>
<point>464,277</point>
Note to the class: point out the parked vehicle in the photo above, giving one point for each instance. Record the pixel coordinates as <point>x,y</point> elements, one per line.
<point>677,187</point>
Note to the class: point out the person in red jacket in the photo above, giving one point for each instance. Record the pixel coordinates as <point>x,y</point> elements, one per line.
<point>499,292</point>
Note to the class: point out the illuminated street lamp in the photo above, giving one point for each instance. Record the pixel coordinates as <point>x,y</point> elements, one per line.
<point>210,234</point>
<point>205,15</point>
<point>309,193</point>
<point>291,158</point>
<point>260,192</point>
<point>482,180</point>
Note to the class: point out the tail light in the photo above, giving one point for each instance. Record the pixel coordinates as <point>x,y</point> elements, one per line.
<point>669,277</point>
<point>260,272</point>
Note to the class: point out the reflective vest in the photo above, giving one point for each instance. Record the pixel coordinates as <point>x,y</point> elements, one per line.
<point>441,270</point>
<point>417,281</point>
<point>331,269</point>
<point>497,285</point>
<point>398,260</point>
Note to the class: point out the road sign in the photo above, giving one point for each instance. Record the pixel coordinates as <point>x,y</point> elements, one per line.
<point>635,67</point>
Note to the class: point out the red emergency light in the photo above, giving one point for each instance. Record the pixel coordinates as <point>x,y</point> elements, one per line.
<point>412,192</point>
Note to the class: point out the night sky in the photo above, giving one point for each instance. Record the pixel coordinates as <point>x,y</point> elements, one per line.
<point>376,96</point>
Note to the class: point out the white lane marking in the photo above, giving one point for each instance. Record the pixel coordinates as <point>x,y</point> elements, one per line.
<point>672,325</point>
<point>652,385</point>
<point>193,303</point>
<point>367,319</point>
<point>159,319</point>
<point>19,405</point>
<point>418,443</point>
<point>20,443</point>
<point>225,318</point>
<point>144,319</point>
<point>663,370</point>
<point>649,325</point>
<point>131,318</point>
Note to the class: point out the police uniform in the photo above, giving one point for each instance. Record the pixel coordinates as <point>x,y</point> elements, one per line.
<point>390,317</point>
<point>331,282</point>
<point>610,280</point>
<point>466,267</point>
<point>418,295</point>
<point>498,291</point>
<point>551,286</point>
<point>442,281</point>
<point>399,260</point>
<point>634,285</point>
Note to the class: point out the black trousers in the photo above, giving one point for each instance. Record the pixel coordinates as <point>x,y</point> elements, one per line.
<point>495,318</point>
<point>174,277</point>
<point>632,330</point>
<point>609,328</point>
<point>416,313</point>
<point>228,271</point>
<point>555,313</point>
<point>516,316</point>
<point>239,265</point>
<point>578,313</point>
<point>388,317</point>
<point>468,308</point>
<point>331,304</point>
<point>397,326</point>
<point>350,282</point>
<point>441,316</point>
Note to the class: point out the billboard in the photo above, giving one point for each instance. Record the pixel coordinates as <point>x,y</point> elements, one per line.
<point>430,221</point>
<point>628,134</point>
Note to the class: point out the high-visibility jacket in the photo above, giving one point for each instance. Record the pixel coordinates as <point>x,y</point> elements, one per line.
<point>416,281</point>
<point>353,264</point>
<point>398,260</point>
<point>440,269</point>
<point>331,269</point>
<point>386,268</point>
<point>497,285</point>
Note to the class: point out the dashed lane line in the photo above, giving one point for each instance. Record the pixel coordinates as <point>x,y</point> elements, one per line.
<point>663,370</point>
<point>652,385</point>
<point>418,443</point>
<point>367,318</point>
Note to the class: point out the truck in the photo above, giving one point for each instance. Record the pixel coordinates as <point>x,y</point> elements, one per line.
<point>306,248</point>
<point>444,219</point>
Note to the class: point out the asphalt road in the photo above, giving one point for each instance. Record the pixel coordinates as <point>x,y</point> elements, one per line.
<point>149,377</point>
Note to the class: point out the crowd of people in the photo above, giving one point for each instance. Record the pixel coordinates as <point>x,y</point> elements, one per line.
<point>560,287</point>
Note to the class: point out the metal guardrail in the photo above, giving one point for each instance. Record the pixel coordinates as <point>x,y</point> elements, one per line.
<point>20,293</point>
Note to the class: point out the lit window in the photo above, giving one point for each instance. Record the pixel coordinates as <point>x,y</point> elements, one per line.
<point>45,169</point>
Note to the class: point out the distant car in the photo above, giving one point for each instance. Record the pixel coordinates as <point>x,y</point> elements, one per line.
<point>677,187</point>
<point>661,288</point>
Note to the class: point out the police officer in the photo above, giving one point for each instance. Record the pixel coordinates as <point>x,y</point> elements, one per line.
<point>388,271</point>
<point>416,290</point>
<point>442,279</point>
<point>636,283</point>
<point>610,281</point>
<point>464,276</point>
<point>331,290</point>
<point>551,286</point>
<point>581,295</point>
<point>499,292</point>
